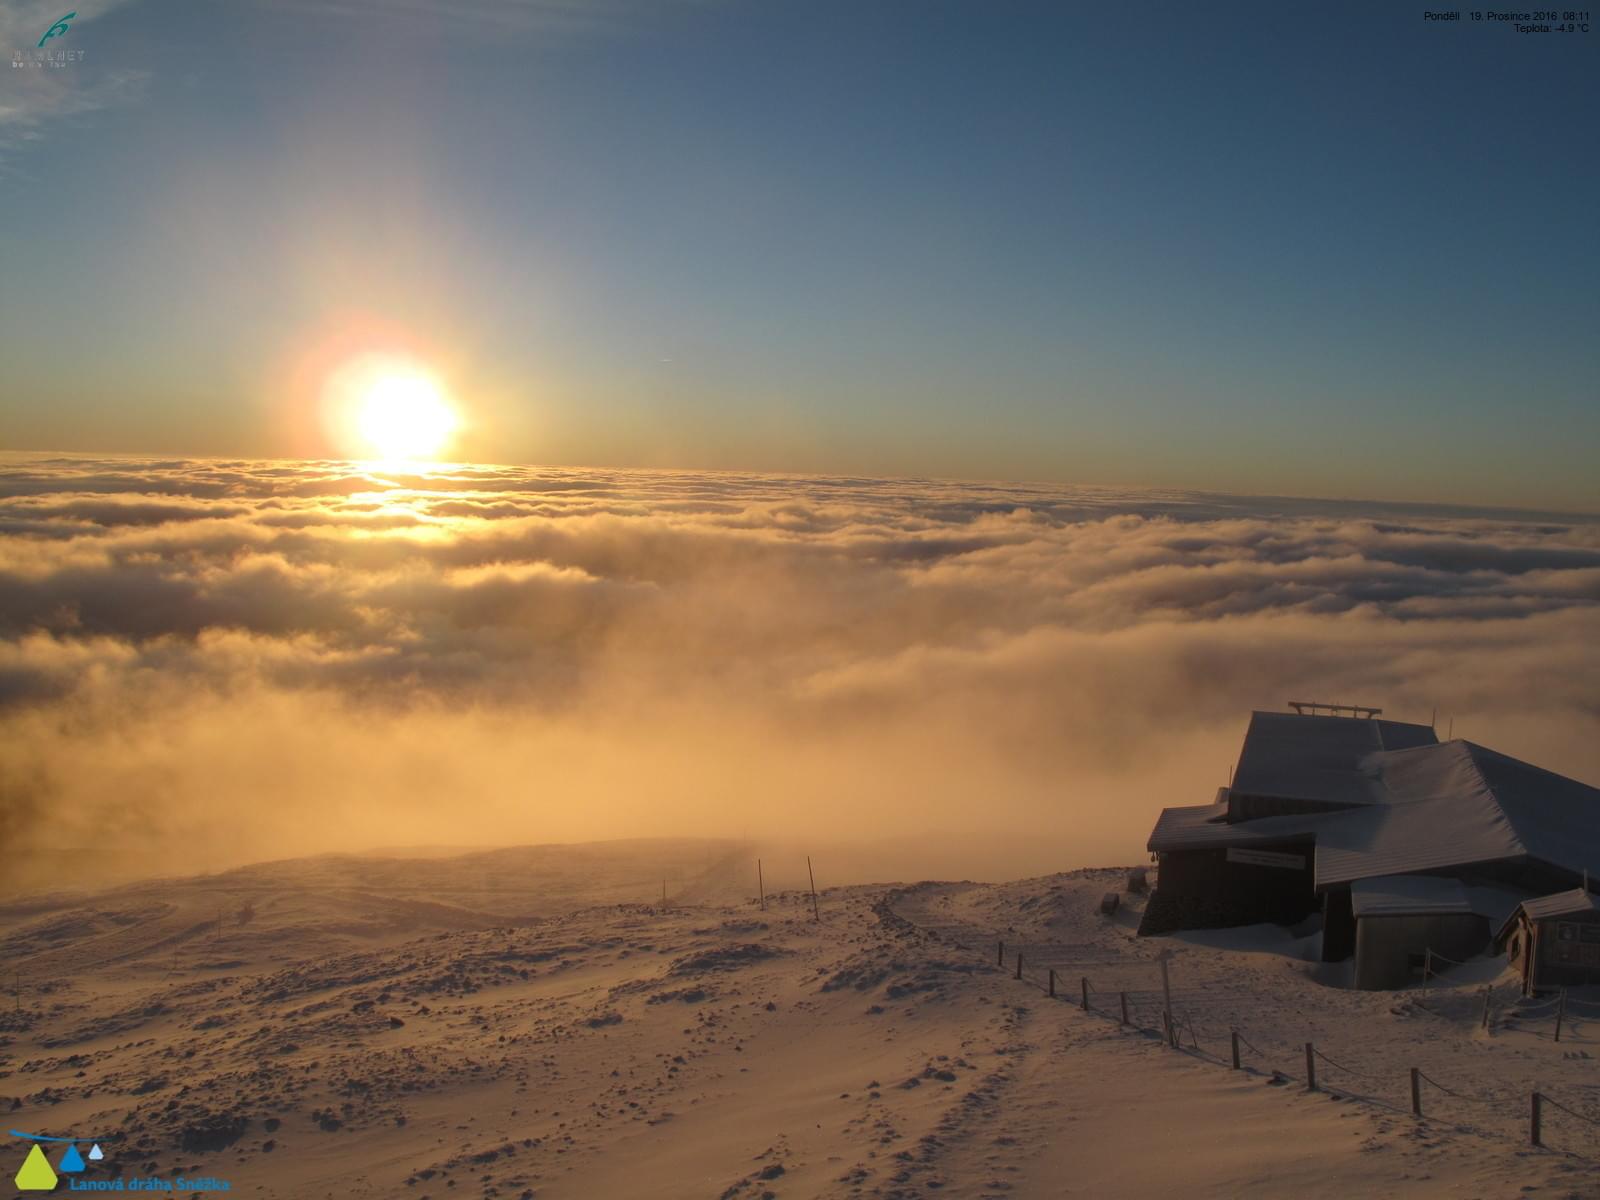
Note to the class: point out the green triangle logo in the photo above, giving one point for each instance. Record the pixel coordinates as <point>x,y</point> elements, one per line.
<point>36,1175</point>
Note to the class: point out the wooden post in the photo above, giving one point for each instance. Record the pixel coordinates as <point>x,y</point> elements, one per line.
<point>1166,989</point>
<point>1488,990</point>
<point>1235,1034</point>
<point>1533,1125</point>
<point>1561,1012</point>
<point>1084,983</point>
<point>815,915</point>
<point>761,885</point>
<point>1052,982</point>
<point>1001,961</point>
<point>1124,1007</point>
<point>1427,966</point>
<point>663,893</point>
<point>1416,1092</point>
<point>1311,1069</point>
<point>1019,964</point>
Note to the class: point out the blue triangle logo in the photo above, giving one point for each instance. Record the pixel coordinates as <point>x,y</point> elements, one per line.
<point>72,1161</point>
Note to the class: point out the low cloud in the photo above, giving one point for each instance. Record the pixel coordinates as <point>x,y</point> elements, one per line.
<point>203,663</point>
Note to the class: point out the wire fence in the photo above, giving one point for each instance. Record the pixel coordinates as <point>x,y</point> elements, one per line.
<point>1137,995</point>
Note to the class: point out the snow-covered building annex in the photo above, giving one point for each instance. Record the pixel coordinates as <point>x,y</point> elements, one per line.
<point>1401,843</point>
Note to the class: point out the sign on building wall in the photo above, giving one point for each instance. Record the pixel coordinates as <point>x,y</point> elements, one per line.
<point>1268,858</point>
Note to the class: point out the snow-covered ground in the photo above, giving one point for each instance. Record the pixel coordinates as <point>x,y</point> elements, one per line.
<point>513,1024</point>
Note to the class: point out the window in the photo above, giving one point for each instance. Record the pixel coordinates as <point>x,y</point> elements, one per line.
<point>1565,948</point>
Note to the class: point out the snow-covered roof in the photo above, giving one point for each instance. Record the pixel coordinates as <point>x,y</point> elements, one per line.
<point>1408,896</point>
<point>1562,904</point>
<point>1403,839</point>
<point>1458,804</point>
<point>1428,807</point>
<point>1318,758</point>
<point>1205,827</point>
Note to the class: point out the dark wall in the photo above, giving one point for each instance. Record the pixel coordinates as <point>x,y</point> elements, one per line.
<point>1338,925</point>
<point>1563,962</point>
<point>1389,950</point>
<point>1201,889</point>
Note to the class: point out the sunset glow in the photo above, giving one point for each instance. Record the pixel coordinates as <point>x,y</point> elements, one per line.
<point>672,598</point>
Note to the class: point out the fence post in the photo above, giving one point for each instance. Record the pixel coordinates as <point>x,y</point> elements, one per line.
<point>1488,990</point>
<point>1311,1069</point>
<point>1561,1012</point>
<point>1416,1093</point>
<point>1052,981</point>
<point>1019,964</point>
<point>1235,1035</point>
<point>1001,961</point>
<point>1124,1008</point>
<point>1085,985</point>
<point>1533,1128</point>
<point>1166,989</point>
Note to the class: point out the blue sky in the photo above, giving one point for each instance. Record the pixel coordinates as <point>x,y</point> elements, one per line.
<point>1333,250</point>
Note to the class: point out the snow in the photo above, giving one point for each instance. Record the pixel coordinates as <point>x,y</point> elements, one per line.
<point>1562,904</point>
<point>511,1025</point>
<point>1427,808</point>
<point>1318,758</point>
<point>1408,895</point>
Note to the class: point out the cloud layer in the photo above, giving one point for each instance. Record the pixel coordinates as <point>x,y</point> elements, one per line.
<point>208,662</point>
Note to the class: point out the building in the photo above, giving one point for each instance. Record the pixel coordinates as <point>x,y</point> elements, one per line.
<point>1554,941</point>
<point>1398,842</point>
<point>1394,914</point>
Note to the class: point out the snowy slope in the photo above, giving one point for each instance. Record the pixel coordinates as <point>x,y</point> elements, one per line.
<point>716,1050</point>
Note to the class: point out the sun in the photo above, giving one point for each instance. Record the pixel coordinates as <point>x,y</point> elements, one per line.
<point>404,415</point>
<point>390,409</point>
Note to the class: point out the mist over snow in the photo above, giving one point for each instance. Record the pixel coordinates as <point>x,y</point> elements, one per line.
<point>210,662</point>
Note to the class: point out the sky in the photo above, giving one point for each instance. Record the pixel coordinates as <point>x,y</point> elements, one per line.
<point>1252,248</point>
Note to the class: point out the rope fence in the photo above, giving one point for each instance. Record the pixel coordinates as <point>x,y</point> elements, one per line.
<point>1149,1011</point>
<point>1455,1093</point>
